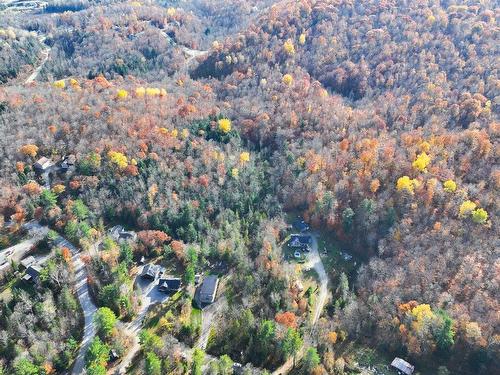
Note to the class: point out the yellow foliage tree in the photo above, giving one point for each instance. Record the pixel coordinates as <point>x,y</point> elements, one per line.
<point>287,79</point>
<point>466,208</point>
<point>421,313</point>
<point>245,157</point>
<point>119,159</point>
<point>235,172</point>
<point>224,125</point>
<point>140,92</point>
<point>58,189</point>
<point>450,186</point>
<point>289,48</point>
<point>59,84</point>
<point>421,162</point>
<point>122,94</point>
<point>171,12</point>
<point>185,133</point>
<point>153,91</point>
<point>479,216</point>
<point>406,183</point>
<point>30,150</point>
<point>302,39</point>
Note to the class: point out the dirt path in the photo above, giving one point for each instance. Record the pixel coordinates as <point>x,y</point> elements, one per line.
<point>33,76</point>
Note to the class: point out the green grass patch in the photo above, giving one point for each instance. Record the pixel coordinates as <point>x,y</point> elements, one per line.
<point>196,317</point>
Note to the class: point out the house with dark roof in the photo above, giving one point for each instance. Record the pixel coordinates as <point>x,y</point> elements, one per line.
<point>120,235</point>
<point>150,271</point>
<point>300,225</point>
<point>169,284</point>
<point>402,366</point>
<point>33,273</point>
<point>206,292</point>
<point>301,241</point>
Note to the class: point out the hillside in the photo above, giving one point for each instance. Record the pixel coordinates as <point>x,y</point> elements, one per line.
<point>205,126</point>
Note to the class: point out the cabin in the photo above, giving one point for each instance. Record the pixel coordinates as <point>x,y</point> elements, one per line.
<point>169,284</point>
<point>150,271</point>
<point>208,290</point>
<point>28,261</point>
<point>43,165</point>
<point>300,241</point>
<point>120,235</point>
<point>33,273</point>
<point>402,366</point>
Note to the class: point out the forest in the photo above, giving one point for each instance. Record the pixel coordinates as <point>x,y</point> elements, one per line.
<point>203,126</point>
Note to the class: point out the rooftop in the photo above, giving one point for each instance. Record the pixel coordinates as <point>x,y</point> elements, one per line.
<point>402,366</point>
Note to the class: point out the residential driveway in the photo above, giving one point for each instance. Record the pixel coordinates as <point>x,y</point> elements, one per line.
<point>209,314</point>
<point>316,263</point>
<point>150,295</point>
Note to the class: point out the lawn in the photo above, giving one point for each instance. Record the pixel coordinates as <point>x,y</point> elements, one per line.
<point>196,317</point>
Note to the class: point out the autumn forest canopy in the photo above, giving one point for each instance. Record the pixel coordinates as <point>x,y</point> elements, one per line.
<point>207,127</point>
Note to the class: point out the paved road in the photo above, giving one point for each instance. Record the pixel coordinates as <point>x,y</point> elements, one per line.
<point>88,306</point>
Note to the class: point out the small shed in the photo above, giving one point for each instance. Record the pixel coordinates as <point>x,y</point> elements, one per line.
<point>43,164</point>
<point>402,366</point>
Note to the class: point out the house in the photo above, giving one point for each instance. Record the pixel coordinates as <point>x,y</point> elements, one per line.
<point>120,235</point>
<point>43,164</point>
<point>402,366</point>
<point>207,290</point>
<point>28,261</point>
<point>301,241</point>
<point>150,271</point>
<point>33,273</point>
<point>169,284</point>
<point>300,225</point>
